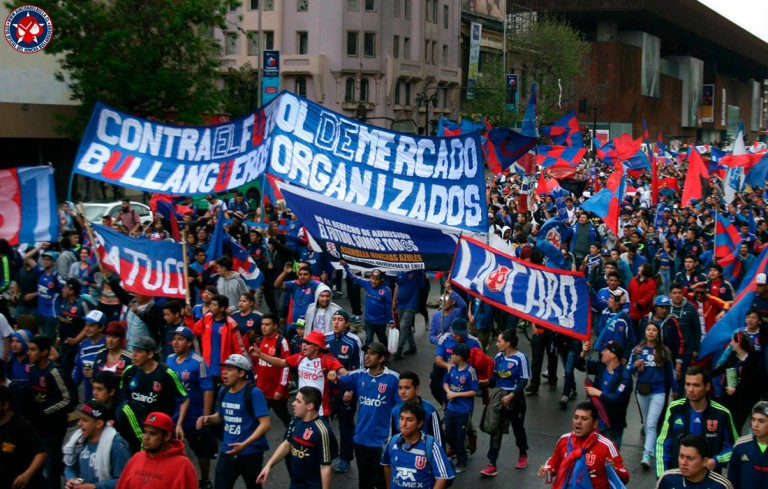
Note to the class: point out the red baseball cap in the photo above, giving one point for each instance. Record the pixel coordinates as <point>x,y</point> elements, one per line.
<point>316,338</point>
<point>160,421</point>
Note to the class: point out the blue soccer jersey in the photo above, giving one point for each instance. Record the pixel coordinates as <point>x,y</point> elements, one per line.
<point>461,380</point>
<point>375,395</point>
<point>415,467</point>
<point>194,376</point>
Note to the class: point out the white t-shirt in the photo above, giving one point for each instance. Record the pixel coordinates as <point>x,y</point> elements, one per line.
<point>5,332</point>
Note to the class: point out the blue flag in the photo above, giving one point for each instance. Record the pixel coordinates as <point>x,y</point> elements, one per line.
<point>530,124</point>
<point>216,244</point>
<point>551,237</point>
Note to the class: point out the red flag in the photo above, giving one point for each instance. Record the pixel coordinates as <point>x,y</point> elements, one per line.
<point>696,180</point>
<point>626,147</point>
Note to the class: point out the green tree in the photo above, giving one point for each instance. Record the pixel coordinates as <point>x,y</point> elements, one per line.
<point>490,96</point>
<point>147,57</point>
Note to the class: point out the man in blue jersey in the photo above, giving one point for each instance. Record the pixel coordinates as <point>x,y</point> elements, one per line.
<point>49,285</point>
<point>406,303</point>
<point>461,386</point>
<point>408,390</point>
<point>93,343</point>
<point>193,373</point>
<point>693,469</point>
<point>413,459</point>
<point>348,350</point>
<point>309,441</point>
<point>376,392</point>
<point>749,463</point>
<point>457,335</point>
<point>378,304</point>
<point>301,291</point>
<point>246,422</point>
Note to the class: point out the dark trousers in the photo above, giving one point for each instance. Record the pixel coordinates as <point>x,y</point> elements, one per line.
<point>68,355</point>
<point>380,330</point>
<point>280,407</point>
<point>515,415</point>
<point>369,469</point>
<point>345,413</point>
<point>569,358</point>
<point>614,434</point>
<point>54,464</point>
<point>543,345</point>
<point>455,432</point>
<point>355,303</point>
<point>229,468</point>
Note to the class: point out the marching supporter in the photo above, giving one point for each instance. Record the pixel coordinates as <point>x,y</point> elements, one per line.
<point>92,344</point>
<point>709,308</point>
<point>310,443</point>
<point>18,366</point>
<point>406,303</point>
<point>113,357</point>
<point>320,313</point>
<point>200,310</point>
<point>760,302</point>
<point>511,373</point>
<point>743,391</point>
<point>695,414</point>
<point>376,391</point>
<point>717,285</point>
<point>480,315</point>
<point>162,464</point>
<point>71,315</point>
<point>583,234</point>
<point>273,381</point>
<point>612,284</point>
<point>748,467</point>
<point>106,388</point>
<point>242,409</point>
<point>408,388</point>
<point>458,334</point>
<point>378,304</point>
<point>642,290</point>
<point>95,454</point>
<point>219,336</point>
<point>665,263</point>
<point>301,291</point>
<point>173,319</point>
<point>147,386</point>
<point>230,283</point>
<point>248,321</point>
<point>461,385</point>
<point>403,467</point>
<point>622,268</point>
<point>22,465</point>
<point>565,465</point>
<point>27,276</point>
<point>452,307</point>
<point>634,259</point>
<point>671,335</point>
<point>348,350</point>
<point>615,324</point>
<point>84,270</point>
<point>694,467</point>
<point>49,286</point>
<point>128,217</point>
<point>688,319</point>
<point>144,317</point>
<point>757,334</point>
<point>690,274</point>
<point>311,371</point>
<point>190,368</point>
<point>652,362</point>
<point>52,404</point>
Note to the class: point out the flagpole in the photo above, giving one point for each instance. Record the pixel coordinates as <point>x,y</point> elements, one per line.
<point>89,230</point>
<point>186,266</point>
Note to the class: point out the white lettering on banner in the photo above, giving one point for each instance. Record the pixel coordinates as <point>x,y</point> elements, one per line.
<point>388,241</point>
<point>168,275</point>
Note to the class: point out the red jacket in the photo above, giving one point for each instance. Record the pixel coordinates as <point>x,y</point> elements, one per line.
<point>601,449</point>
<point>231,341</point>
<point>641,295</point>
<point>170,469</point>
<point>268,378</point>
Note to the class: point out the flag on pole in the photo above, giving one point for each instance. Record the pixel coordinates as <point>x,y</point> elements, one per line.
<point>696,180</point>
<point>606,204</point>
<point>565,131</point>
<point>530,119</point>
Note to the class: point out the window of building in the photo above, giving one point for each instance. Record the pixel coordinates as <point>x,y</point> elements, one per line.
<point>407,93</point>
<point>433,53</point>
<point>233,6</point>
<point>301,86</point>
<point>253,43</point>
<point>370,5</point>
<point>396,47</point>
<point>369,45</point>
<point>302,44</point>
<point>230,48</point>
<point>446,16</point>
<point>426,52</point>
<point>253,5</point>
<point>353,5</point>
<point>302,5</point>
<point>407,48</point>
<point>407,8</point>
<point>434,11</point>
<point>269,39</point>
<point>428,7</point>
<point>444,57</point>
<point>397,93</point>
<point>349,90</point>
<point>396,7</point>
<point>364,90</point>
<point>269,5</point>
<point>353,41</point>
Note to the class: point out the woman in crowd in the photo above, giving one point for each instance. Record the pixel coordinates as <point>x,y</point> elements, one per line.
<point>113,358</point>
<point>248,321</point>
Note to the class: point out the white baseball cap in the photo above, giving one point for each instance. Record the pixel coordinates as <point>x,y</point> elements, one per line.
<point>760,279</point>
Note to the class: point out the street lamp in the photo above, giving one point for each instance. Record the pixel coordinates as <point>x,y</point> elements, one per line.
<point>425,100</point>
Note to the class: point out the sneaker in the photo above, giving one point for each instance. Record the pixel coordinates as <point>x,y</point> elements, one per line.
<point>646,463</point>
<point>531,388</point>
<point>546,376</point>
<point>461,467</point>
<point>397,356</point>
<point>564,402</point>
<point>343,466</point>
<point>337,295</point>
<point>552,387</point>
<point>532,392</point>
<point>489,471</point>
<point>472,441</point>
<point>522,462</point>
<point>573,394</point>
<point>356,319</point>
<point>411,352</point>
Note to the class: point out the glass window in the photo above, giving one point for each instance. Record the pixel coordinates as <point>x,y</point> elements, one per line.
<point>428,7</point>
<point>444,58</point>
<point>369,45</point>
<point>446,16</point>
<point>370,5</point>
<point>301,86</point>
<point>426,52</point>
<point>433,53</point>
<point>396,47</point>
<point>269,40</point>
<point>353,41</point>
<point>302,5</point>
<point>434,12</point>
<point>353,5</point>
<point>396,8</point>
<point>254,5</point>
<point>269,5</point>
<point>364,90</point>
<point>302,44</point>
<point>407,48</point>
<point>397,93</point>
<point>253,43</point>
<point>349,90</point>
<point>407,5</point>
<point>407,93</point>
<point>231,44</point>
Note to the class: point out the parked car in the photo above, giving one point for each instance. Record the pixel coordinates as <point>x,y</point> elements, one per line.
<point>95,211</point>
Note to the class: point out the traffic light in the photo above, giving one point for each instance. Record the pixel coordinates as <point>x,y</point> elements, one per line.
<point>513,80</point>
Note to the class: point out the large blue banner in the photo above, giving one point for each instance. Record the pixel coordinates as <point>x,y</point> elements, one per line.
<point>435,180</point>
<point>153,268</point>
<point>368,238</point>
<point>555,299</point>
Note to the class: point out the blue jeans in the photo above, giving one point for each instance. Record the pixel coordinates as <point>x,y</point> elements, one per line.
<point>379,329</point>
<point>229,468</point>
<point>455,433</point>
<point>346,416</point>
<point>569,364</point>
<point>651,406</point>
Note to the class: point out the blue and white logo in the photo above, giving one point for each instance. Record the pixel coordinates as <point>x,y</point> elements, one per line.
<point>28,29</point>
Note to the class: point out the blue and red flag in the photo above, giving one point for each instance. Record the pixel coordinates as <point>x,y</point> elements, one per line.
<point>606,204</point>
<point>626,147</point>
<point>720,334</point>
<point>696,179</point>
<point>552,235</point>
<point>271,191</point>
<point>757,175</point>
<point>560,161</point>
<point>565,131</point>
<point>508,147</point>
<point>605,152</point>
<point>243,264</point>
<point>216,244</point>
<point>447,128</point>
<point>637,164</point>
<point>28,212</point>
<point>163,204</point>
<point>530,119</point>
<point>727,240</point>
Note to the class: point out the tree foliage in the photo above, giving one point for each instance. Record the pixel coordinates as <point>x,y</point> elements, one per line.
<point>145,57</point>
<point>490,96</point>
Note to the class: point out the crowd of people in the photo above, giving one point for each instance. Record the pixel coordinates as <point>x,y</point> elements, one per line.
<point>151,381</point>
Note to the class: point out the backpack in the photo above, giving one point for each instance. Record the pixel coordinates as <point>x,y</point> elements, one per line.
<point>429,441</point>
<point>248,399</point>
